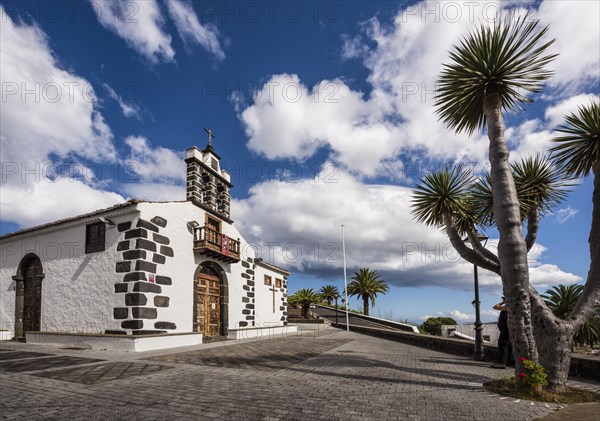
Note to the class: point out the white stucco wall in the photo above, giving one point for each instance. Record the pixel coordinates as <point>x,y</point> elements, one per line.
<point>264,298</point>
<point>182,266</point>
<point>78,288</point>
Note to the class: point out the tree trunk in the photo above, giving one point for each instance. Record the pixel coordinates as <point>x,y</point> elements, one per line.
<point>305,309</point>
<point>366,305</point>
<point>590,296</point>
<point>512,251</point>
<point>555,355</point>
<point>554,338</point>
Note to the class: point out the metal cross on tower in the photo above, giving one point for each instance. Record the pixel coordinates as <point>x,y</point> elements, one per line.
<point>210,135</point>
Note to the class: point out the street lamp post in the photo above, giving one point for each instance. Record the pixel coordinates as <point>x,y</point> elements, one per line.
<point>478,328</point>
<point>345,280</point>
<point>479,354</point>
<point>336,311</point>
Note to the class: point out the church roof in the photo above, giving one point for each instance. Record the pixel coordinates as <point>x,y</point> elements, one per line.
<point>73,218</point>
<point>261,262</point>
<point>209,149</point>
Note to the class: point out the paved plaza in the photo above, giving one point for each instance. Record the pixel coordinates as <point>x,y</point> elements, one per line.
<point>323,374</point>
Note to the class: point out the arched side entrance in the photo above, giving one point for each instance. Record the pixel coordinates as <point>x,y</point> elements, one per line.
<point>28,304</point>
<point>211,300</point>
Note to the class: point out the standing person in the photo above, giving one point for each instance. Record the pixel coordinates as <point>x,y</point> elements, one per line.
<point>504,346</point>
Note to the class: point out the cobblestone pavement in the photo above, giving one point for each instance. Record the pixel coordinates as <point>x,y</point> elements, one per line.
<point>327,376</point>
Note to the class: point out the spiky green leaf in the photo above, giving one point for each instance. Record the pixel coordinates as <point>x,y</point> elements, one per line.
<point>440,193</point>
<point>579,149</point>
<point>507,58</point>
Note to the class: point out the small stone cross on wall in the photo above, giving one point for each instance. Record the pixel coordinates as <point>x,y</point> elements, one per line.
<point>273,289</point>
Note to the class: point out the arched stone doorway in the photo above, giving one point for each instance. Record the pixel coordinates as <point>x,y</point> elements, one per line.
<point>28,305</point>
<point>211,300</point>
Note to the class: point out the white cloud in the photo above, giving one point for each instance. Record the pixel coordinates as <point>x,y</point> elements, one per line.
<point>578,63</point>
<point>45,109</point>
<point>528,139</point>
<point>51,111</point>
<point>154,164</point>
<point>128,109</point>
<point>458,316</point>
<point>297,225</point>
<point>192,31</point>
<point>564,214</point>
<point>31,204</point>
<point>545,276</point>
<point>140,24</point>
<point>353,47</point>
<point>58,117</point>
<point>289,120</point>
<point>556,114</point>
<point>366,132</point>
<point>161,192</point>
<point>158,174</point>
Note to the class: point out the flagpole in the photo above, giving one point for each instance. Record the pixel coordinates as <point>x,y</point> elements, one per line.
<point>345,279</point>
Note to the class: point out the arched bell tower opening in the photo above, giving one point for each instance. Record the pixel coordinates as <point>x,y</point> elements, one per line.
<point>28,297</point>
<point>211,300</point>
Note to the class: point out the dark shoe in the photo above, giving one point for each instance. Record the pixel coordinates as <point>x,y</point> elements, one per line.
<point>497,366</point>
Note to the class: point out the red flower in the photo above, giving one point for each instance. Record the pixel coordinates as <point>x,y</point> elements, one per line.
<point>522,359</point>
<point>522,375</point>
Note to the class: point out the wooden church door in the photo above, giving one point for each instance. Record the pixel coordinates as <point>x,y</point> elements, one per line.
<point>208,305</point>
<point>32,296</point>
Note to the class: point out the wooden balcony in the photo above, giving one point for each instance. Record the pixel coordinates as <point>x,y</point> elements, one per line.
<point>211,243</point>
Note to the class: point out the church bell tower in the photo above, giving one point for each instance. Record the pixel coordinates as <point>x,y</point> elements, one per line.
<point>207,185</point>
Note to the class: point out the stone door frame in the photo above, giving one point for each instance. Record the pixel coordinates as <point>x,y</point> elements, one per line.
<point>224,299</point>
<point>19,279</point>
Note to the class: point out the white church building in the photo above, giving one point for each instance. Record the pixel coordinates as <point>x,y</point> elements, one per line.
<point>144,269</point>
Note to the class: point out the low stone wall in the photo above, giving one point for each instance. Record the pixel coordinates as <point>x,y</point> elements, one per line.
<point>390,323</point>
<point>582,366</point>
<point>118,342</point>
<point>294,320</point>
<point>258,332</point>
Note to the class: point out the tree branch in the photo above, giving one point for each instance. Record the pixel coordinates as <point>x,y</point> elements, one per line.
<point>541,309</point>
<point>465,252</point>
<point>472,234</point>
<point>533,225</point>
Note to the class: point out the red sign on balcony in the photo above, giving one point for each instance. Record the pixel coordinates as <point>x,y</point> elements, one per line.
<point>225,244</point>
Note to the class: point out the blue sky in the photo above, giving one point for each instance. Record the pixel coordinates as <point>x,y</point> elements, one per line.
<point>323,113</point>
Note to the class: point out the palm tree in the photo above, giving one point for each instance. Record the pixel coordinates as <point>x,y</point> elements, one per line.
<point>562,300</point>
<point>329,293</point>
<point>366,285</point>
<point>495,69</point>
<point>463,204</point>
<point>491,71</point>
<point>305,297</point>
<point>578,152</point>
